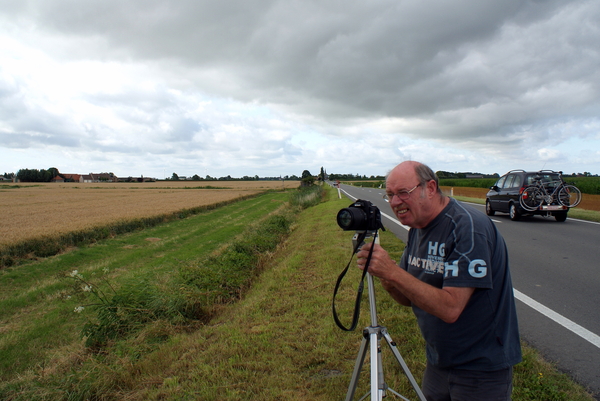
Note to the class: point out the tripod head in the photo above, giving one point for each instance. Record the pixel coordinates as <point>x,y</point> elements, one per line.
<point>358,240</point>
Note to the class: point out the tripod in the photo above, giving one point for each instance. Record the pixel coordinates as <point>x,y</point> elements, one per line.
<point>372,336</point>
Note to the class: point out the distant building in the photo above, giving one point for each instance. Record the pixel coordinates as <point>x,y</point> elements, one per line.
<point>67,178</point>
<point>101,177</point>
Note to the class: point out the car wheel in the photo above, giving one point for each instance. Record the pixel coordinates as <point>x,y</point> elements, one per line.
<point>514,212</point>
<point>488,209</point>
<point>560,216</point>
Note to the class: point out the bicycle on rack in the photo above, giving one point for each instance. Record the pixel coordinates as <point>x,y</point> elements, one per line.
<point>549,194</point>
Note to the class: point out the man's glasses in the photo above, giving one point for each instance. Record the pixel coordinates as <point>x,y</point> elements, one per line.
<point>402,195</point>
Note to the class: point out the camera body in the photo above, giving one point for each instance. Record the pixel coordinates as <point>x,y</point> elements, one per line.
<point>362,215</point>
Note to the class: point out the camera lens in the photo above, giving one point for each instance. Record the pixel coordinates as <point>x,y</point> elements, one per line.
<point>351,219</point>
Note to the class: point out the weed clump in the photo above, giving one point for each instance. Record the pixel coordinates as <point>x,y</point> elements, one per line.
<point>305,197</point>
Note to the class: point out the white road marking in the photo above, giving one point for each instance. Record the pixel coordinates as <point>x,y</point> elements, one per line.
<point>563,321</point>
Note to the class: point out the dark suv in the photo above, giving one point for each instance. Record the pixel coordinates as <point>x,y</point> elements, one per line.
<point>504,195</point>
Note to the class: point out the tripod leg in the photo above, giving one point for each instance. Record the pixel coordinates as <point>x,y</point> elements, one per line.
<point>377,381</point>
<point>381,385</point>
<point>409,375</point>
<point>362,353</point>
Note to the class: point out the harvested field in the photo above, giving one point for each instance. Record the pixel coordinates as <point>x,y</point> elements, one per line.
<point>32,210</point>
<point>588,202</point>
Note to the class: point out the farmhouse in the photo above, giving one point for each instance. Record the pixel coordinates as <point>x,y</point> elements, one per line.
<point>101,177</point>
<point>67,178</point>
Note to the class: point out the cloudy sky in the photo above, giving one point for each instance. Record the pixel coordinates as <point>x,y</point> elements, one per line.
<point>274,87</point>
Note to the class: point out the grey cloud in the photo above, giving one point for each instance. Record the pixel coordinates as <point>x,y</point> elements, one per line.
<point>399,59</point>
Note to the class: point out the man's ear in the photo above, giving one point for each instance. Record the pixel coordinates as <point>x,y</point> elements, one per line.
<point>431,188</point>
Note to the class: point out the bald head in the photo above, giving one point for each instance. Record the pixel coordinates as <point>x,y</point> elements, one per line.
<point>423,173</point>
<point>419,198</point>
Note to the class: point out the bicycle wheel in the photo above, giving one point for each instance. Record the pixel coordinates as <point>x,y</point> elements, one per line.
<point>531,198</point>
<point>569,196</point>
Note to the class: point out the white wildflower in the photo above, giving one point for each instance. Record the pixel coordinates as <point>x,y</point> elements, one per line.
<point>74,273</point>
<point>87,288</point>
<point>79,309</point>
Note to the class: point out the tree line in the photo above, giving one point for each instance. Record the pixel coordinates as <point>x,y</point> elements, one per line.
<point>35,175</point>
<point>196,177</point>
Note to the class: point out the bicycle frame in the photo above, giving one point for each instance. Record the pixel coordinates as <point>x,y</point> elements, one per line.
<point>536,195</point>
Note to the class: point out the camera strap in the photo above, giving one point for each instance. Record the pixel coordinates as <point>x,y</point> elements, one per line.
<point>361,285</point>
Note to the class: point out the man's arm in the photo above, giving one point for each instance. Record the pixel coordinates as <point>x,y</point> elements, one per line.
<point>395,293</point>
<point>445,303</point>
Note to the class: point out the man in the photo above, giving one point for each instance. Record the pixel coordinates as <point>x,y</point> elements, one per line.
<point>454,273</point>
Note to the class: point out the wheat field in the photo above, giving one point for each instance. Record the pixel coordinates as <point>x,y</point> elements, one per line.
<point>30,210</point>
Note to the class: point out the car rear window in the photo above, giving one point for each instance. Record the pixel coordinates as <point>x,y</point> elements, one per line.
<point>548,179</point>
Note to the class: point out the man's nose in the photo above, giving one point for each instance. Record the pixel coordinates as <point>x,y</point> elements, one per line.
<point>395,201</point>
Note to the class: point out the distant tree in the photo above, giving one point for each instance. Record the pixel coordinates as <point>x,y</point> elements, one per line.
<point>307,179</point>
<point>322,175</point>
<point>53,171</point>
<point>444,174</point>
<point>175,177</point>
<point>196,177</point>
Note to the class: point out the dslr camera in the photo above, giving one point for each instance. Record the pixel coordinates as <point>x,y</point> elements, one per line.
<point>362,215</point>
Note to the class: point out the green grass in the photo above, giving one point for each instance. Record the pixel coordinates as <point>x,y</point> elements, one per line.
<point>279,342</point>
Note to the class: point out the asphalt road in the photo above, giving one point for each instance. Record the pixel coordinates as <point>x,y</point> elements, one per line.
<point>556,277</point>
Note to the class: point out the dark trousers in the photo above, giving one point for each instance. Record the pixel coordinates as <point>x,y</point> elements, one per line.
<point>467,385</point>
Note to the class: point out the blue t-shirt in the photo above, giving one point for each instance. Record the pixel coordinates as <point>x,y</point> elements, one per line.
<point>461,247</point>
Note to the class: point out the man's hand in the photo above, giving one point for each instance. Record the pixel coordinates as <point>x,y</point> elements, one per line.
<point>380,266</point>
<point>446,303</point>
<point>380,263</point>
